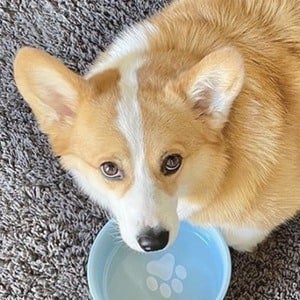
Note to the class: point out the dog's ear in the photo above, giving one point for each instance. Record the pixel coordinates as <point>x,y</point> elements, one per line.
<point>213,84</point>
<point>50,88</point>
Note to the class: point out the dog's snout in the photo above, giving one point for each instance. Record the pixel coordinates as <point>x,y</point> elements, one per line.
<point>153,239</point>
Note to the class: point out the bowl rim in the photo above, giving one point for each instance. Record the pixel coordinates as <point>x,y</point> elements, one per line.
<point>214,233</point>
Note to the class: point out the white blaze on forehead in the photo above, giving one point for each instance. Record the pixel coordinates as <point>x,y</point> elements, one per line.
<point>130,121</point>
<point>129,112</point>
<point>144,205</point>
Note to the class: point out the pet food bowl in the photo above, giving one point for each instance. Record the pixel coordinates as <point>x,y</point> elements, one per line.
<point>196,267</point>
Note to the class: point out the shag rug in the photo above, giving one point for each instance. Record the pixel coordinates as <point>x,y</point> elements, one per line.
<point>47,226</point>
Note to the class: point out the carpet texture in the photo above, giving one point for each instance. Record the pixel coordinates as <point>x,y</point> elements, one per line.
<point>47,225</point>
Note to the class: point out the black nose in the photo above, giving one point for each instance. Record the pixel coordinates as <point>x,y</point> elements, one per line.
<point>153,239</point>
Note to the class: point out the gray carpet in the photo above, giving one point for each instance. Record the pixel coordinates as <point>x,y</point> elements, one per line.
<point>47,225</point>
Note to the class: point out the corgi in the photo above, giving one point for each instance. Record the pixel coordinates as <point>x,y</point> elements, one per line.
<point>192,114</point>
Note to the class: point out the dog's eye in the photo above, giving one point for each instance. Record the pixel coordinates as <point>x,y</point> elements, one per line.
<point>171,164</point>
<point>111,170</point>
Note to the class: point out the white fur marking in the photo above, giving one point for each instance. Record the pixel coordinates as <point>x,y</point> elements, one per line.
<point>243,238</point>
<point>134,39</point>
<point>186,209</point>
<point>131,125</point>
<point>144,205</point>
<point>137,204</point>
<point>129,113</point>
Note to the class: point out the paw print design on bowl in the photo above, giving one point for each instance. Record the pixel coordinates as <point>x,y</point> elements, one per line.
<point>165,276</point>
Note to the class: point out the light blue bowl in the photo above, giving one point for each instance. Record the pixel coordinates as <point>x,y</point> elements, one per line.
<point>196,267</point>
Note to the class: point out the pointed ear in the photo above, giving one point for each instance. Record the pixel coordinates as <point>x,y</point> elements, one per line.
<point>51,89</point>
<point>213,84</point>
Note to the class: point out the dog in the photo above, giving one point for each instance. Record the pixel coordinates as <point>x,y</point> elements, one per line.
<point>192,114</point>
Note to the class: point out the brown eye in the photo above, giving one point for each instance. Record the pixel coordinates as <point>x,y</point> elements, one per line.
<point>111,171</point>
<point>171,164</point>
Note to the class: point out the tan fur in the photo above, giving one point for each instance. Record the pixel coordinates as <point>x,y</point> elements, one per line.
<point>241,167</point>
<point>260,186</point>
<point>70,133</point>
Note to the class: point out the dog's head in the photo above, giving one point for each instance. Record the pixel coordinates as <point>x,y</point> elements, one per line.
<point>142,137</point>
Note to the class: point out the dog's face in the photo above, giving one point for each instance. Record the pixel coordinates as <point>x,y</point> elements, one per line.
<point>141,139</point>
